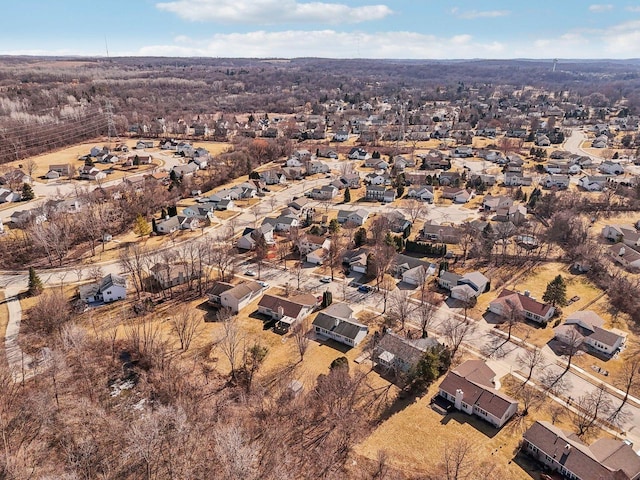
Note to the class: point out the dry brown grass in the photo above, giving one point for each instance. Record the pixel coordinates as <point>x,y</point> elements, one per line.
<point>416,437</point>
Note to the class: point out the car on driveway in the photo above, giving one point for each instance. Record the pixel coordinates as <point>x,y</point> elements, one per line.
<point>263,284</point>
<point>325,279</point>
<point>364,288</point>
<point>250,273</point>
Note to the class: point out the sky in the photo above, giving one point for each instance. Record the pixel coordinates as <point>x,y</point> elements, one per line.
<point>406,29</point>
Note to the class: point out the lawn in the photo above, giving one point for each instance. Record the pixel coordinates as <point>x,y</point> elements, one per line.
<point>416,437</point>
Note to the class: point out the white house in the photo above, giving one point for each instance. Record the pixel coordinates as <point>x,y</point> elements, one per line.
<point>611,168</point>
<point>287,311</point>
<point>556,181</point>
<point>337,322</point>
<point>593,183</point>
<point>626,234</point>
<point>111,288</point>
<point>357,217</point>
<point>250,236</point>
<point>473,389</point>
<point>624,255</point>
<point>318,256</point>
<point>586,327</point>
<point>463,287</point>
<point>421,192</point>
<point>240,296</point>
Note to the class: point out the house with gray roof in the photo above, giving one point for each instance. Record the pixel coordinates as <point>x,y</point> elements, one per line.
<point>399,354</point>
<point>111,288</point>
<point>337,322</point>
<point>586,328</point>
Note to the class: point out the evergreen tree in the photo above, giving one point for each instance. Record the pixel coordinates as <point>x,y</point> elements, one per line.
<point>334,226</point>
<point>556,292</point>
<point>27,192</point>
<point>400,191</point>
<point>141,227</point>
<point>360,237</point>
<point>347,195</point>
<point>35,284</point>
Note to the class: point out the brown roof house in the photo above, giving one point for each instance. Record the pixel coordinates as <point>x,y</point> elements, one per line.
<point>565,453</point>
<point>287,311</point>
<point>473,389</point>
<point>529,307</point>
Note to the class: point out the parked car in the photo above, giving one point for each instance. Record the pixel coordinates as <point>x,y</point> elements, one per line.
<point>263,284</point>
<point>364,288</point>
<point>250,273</point>
<point>325,279</point>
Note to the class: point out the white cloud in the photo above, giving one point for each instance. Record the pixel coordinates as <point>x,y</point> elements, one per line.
<point>269,12</point>
<point>472,14</point>
<point>597,8</point>
<point>632,9</point>
<point>329,43</point>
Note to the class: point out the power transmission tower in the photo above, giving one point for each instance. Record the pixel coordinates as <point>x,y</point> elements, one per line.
<point>111,124</point>
<point>555,62</point>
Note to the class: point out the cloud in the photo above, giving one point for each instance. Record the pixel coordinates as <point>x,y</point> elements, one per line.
<point>472,14</point>
<point>330,43</point>
<point>269,12</point>
<point>597,8</point>
<point>632,9</point>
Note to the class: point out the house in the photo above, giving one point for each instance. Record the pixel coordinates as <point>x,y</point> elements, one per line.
<point>318,256</point>
<point>317,166</point>
<point>611,168</point>
<point>515,213</point>
<point>273,176</point>
<point>440,233</point>
<point>308,243</point>
<point>413,271</point>
<point>142,144</point>
<point>287,311</point>
<point>377,179</point>
<point>626,234</point>
<point>251,235</point>
<point>341,136</point>
<point>600,142</point>
<point>375,193</point>
<point>421,192</point>
<point>625,256</point>
<point>89,172</point>
<point>9,196</point>
<point>542,141</point>
<point>516,179</point>
<point>327,153</point>
<point>239,296</point>
<point>462,287</point>
<point>389,195</point>
<point>185,149</point>
<point>300,205</point>
<point>376,163</point>
<point>472,388</point>
<point>458,195</point>
<point>482,179</point>
<point>492,203</point>
<point>283,223</point>
<point>337,322</point>
<point>351,180</point>
<point>357,153</point>
<point>326,192</point>
<point>586,327</point>
<point>15,177</point>
<point>463,152</point>
<point>449,178</point>
<point>565,453</point>
<point>556,181</point>
<point>65,170</point>
<point>183,171</point>
<point>524,304</point>
<point>398,223</point>
<point>177,222</point>
<point>213,293</point>
<point>593,183</point>
<point>356,260</point>
<point>109,289</point>
<point>293,162</point>
<point>169,275</point>
<point>400,355</point>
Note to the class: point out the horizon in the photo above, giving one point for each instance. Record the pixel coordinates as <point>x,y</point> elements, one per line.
<point>346,29</point>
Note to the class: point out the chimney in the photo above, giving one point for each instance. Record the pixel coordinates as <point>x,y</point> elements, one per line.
<point>527,293</point>
<point>567,449</point>
<point>280,311</point>
<point>621,252</point>
<point>458,401</point>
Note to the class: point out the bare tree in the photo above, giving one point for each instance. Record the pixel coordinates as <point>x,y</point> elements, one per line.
<point>283,249</point>
<point>414,209</point>
<point>300,335</point>
<point>186,324</point>
<point>400,306</point>
<point>222,256</point>
<point>589,408</point>
<point>628,378</point>
<point>133,261</point>
<point>95,273</point>
<point>457,461</point>
<point>531,360</point>
<point>30,166</point>
<point>456,332</point>
<point>231,342</point>
<point>334,253</point>
<point>428,311</point>
<point>387,285</point>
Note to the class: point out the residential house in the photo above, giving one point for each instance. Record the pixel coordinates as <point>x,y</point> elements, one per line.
<point>65,170</point>
<point>377,179</point>
<point>389,195</point>
<point>542,141</point>
<point>9,196</point>
<point>250,236</point>
<point>492,203</point>
<point>241,295</point>
<point>463,287</point>
<point>400,355</point>
<point>300,205</point>
<point>611,168</point>
<point>482,179</point>
<point>319,255</point>
<point>601,141</point>
<point>411,270</point>
<point>509,301</point>
<point>177,222</point>
<point>273,176</point>
<point>293,162</point>
<point>376,163</point>
<point>111,288</point>
<point>309,243</point>
<point>183,171</point>
<point>516,179</point>
<point>356,260</point>
<point>15,177</point>
<point>326,153</point>
<point>457,194</point>
<point>398,223</point>
<point>472,388</point>
<point>169,275</point>
<point>556,181</point>
<point>565,453</point>
<point>357,217</point>
<point>375,193</point>
<point>287,311</point>
<point>357,153</point>
<point>89,172</point>
<point>326,192</point>
<point>515,214</point>
<point>593,183</point>
<point>625,255</point>
<point>421,192</point>
<point>341,136</point>
<point>284,222</point>
<point>440,233</point>
<point>217,289</point>
<point>351,180</point>
<point>185,149</point>
<point>586,328</point>
<point>449,178</point>
<point>141,144</point>
<point>337,322</point>
<point>626,234</point>
<point>317,166</point>
<point>463,152</point>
